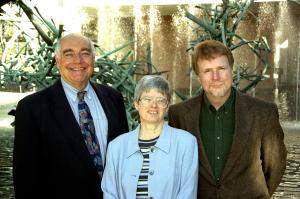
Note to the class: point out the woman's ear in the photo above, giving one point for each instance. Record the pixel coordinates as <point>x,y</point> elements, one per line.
<point>167,108</point>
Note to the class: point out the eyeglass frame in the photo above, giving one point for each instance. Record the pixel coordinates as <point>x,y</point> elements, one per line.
<point>161,102</point>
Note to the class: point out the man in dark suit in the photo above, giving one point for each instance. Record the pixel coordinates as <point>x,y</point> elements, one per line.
<point>241,143</point>
<point>51,158</point>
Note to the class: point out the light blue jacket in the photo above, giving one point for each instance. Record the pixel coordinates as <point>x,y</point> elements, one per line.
<point>173,172</point>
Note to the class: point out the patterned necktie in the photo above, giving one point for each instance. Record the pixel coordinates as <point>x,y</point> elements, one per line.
<point>88,131</point>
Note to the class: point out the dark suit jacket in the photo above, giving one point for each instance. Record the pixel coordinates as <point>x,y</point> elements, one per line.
<point>257,159</point>
<point>50,157</point>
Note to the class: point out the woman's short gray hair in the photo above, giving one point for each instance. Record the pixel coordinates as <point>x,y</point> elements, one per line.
<point>149,82</point>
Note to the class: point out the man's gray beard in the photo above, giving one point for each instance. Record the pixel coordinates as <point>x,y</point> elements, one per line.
<point>219,93</point>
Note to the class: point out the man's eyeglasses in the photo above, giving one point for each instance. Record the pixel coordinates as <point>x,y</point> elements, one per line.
<point>160,101</point>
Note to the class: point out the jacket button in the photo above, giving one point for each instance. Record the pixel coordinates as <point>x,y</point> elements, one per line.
<point>152,149</point>
<point>218,184</point>
<point>151,172</point>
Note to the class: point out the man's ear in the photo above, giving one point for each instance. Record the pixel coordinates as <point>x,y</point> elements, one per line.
<point>199,79</point>
<point>136,105</point>
<point>57,61</point>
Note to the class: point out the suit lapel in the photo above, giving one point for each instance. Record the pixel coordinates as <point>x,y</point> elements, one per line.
<point>67,123</point>
<point>243,123</point>
<point>192,118</point>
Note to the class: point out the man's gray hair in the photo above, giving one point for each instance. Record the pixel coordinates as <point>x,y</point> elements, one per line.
<point>58,44</point>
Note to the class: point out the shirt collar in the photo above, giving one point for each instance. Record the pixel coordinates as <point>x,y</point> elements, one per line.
<point>164,140</point>
<point>226,106</point>
<point>163,143</point>
<point>72,92</point>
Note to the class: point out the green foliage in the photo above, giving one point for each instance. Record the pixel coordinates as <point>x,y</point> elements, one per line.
<point>295,1</point>
<point>120,75</point>
<point>33,65</point>
<point>221,23</point>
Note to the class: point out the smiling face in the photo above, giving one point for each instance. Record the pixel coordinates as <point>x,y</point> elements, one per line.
<point>152,107</point>
<point>75,60</point>
<point>216,78</point>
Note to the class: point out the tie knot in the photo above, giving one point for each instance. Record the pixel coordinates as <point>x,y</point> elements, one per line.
<point>80,95</point>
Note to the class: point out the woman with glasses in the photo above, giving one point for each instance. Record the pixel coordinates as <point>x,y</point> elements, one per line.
<point>154,160</point>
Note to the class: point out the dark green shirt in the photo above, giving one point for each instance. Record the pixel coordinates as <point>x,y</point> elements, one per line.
<point>217,128</point>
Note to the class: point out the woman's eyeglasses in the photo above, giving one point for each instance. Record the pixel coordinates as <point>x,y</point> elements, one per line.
<point>159,101</point>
